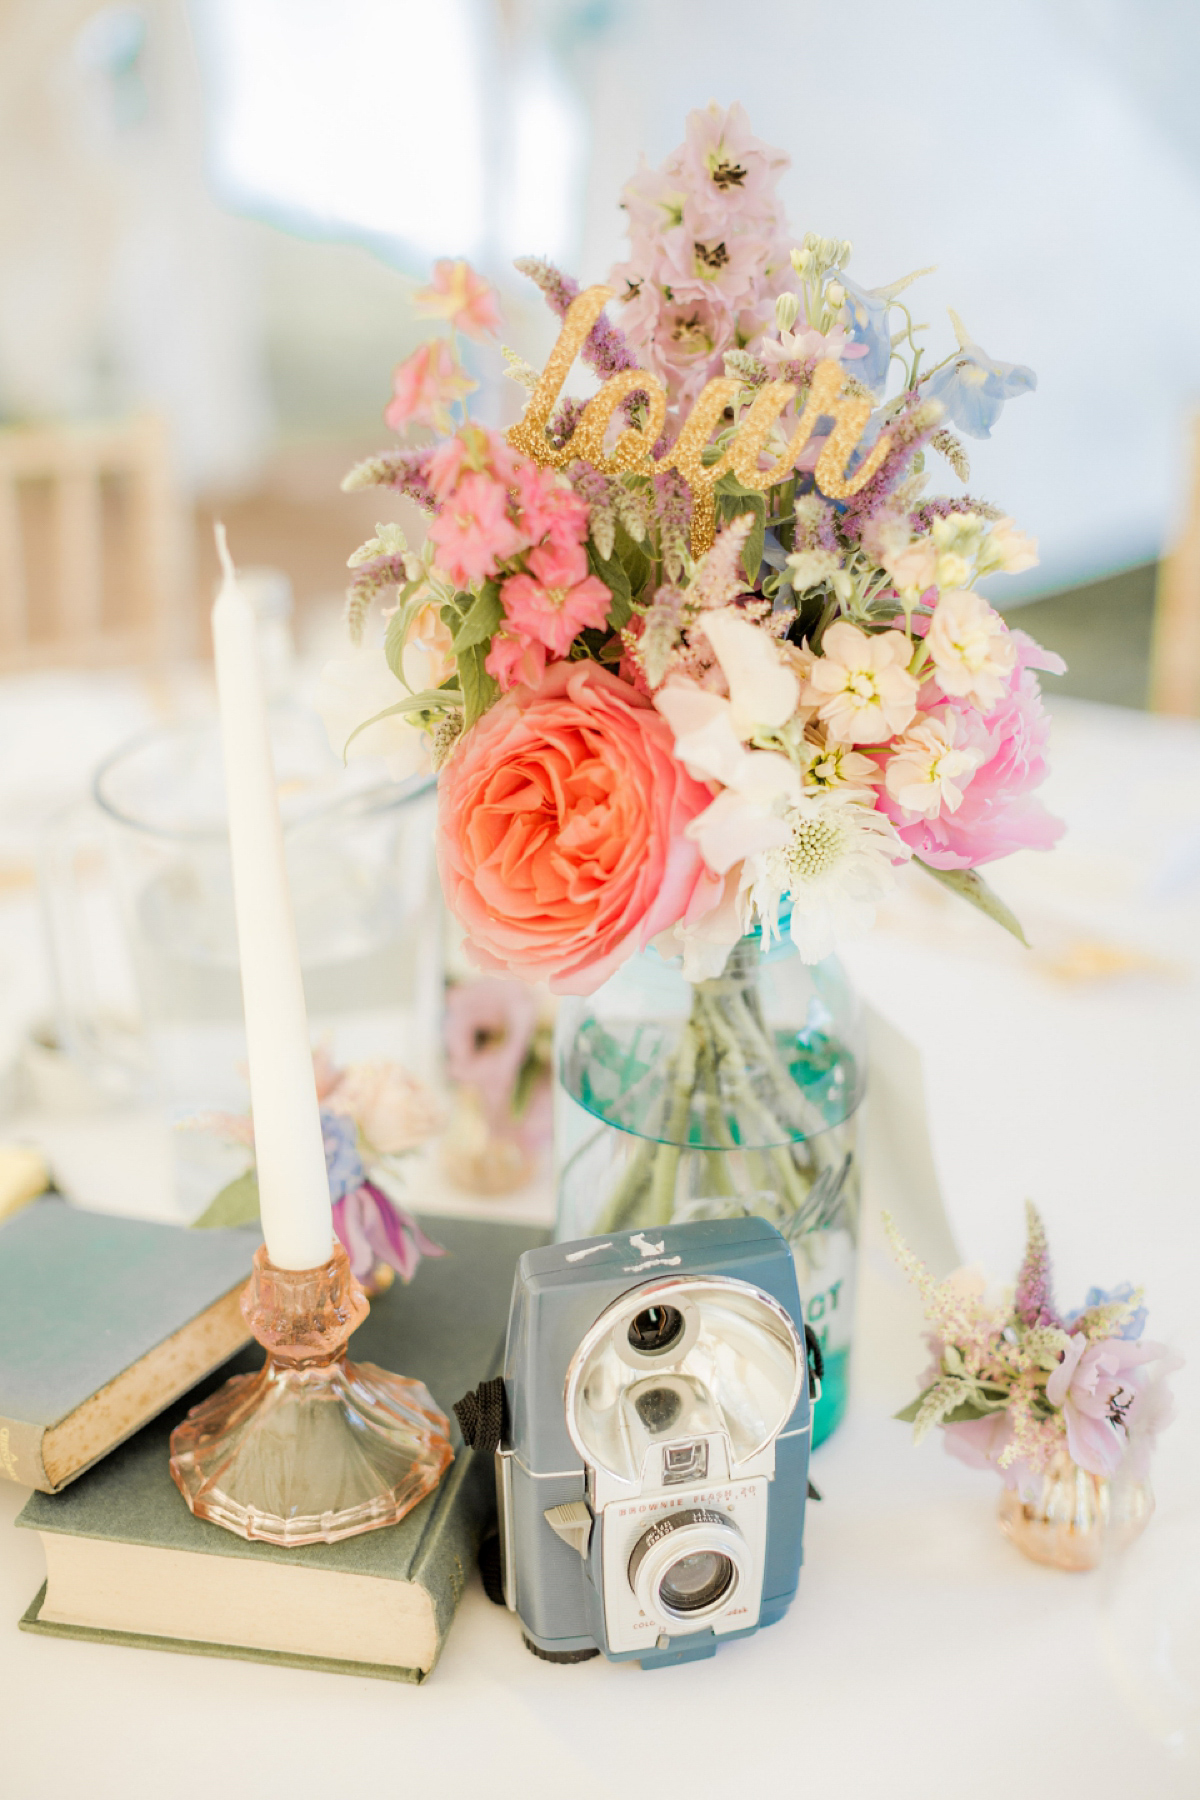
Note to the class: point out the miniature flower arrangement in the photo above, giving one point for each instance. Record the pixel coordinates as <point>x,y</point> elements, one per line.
<point>1066,1407</point>
<point>372,1116</point>
<point>498,1049</point>
<point>700,655</point>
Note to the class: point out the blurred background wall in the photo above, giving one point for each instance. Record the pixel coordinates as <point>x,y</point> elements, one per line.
<point>215,210</point>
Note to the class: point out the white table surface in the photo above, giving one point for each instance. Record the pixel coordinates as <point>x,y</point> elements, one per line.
<point>923,1657</point>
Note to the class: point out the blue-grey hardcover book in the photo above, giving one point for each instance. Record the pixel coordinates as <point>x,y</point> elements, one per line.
<point>103,1322</point>
<point>128,1563</point>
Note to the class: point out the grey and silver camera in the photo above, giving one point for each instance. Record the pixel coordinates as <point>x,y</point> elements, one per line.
<point>653,1467</point>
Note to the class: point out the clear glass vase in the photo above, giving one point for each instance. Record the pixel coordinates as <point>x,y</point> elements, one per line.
<point>681,1100</point>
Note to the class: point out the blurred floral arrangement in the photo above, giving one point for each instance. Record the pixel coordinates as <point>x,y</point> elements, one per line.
<point>1013,1382</point>
<point>373,1114</point>
<point>702,652</point>
<point>499,1058</point>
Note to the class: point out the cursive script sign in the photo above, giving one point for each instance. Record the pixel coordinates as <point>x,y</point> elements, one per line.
<point>633,446</point>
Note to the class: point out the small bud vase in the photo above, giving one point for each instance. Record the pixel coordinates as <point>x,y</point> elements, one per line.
<point>681,1100</point>
<point>1077,1518</point>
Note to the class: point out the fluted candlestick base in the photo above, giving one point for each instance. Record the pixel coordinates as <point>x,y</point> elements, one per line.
<point>312,1448</point>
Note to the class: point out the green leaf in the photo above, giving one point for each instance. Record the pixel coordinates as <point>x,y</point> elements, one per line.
<point>236,1204</point>
<point>914,1406</point>
<point>635,559</point>
<point>734,499</point>
<point>479,689</point>
<point>612,574</point>
<point>483,620</point>
<point>969,885</point>
<point>398,626</point>
<point>428,700</point>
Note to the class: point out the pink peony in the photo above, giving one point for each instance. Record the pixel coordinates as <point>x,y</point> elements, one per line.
<point>547,507</point>
<point>457,293</point>
<point>473,531</point>
<point>515,661</point>
<point>998,813</point>
<point>1097,1385</point>
<point>557,599</point>
<point>426,385</point>
<point>561,830</point>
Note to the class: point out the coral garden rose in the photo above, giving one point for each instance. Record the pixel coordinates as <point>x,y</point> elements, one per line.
<point>561,830</point>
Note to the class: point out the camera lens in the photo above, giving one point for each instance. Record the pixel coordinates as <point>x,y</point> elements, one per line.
<point>696,1582</point>
<point>656,1330</point>
<point>658,1408</point>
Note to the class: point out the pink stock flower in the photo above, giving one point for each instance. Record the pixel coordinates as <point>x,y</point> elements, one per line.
<point>557,599</point>
<point>458,294</point>
<point>548,507</point>
<point>426,385</point>
<point>476,450</point>
<point>998,813</point>
<point>515,661</point>
<point>1097,1385</point>
<point>561,830</point>
<point>473,531</point>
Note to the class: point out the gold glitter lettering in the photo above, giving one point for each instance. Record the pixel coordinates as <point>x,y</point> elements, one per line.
<point>528,435</point>
<point>634,445</point>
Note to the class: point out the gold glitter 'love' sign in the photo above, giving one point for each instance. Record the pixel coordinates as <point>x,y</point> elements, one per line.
<point>633,446</point>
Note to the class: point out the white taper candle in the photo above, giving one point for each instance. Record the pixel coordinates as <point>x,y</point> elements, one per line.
<point>293,1186</point>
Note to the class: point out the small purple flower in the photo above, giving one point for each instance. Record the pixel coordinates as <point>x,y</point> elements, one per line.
<point>374,1228</point>
<point>342,1162</point>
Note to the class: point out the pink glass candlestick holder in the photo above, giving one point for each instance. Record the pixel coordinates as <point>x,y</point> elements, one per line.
<point>312,1448</point>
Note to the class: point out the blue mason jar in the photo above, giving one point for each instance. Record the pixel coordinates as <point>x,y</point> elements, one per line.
<point>699,1100</point>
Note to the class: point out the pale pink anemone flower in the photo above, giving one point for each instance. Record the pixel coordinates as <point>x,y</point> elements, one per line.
<point>488,1029</point>
<point>562,830</point>
<point>1098,1386</point>
<point>458,294</point>
<point>557,598</point>
<point>425,386</point>
<point>473,531</point>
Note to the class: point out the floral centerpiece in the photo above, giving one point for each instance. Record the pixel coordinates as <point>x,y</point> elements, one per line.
<point>646,735</point>
<point>1062,1405</point>
<point>703,662</point>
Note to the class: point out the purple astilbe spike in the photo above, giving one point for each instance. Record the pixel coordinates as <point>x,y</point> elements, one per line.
<point>909,431</point>
<point>567,415</point>
<point>941,506</point>
<point>1033,1303</point>
<point>373,1228</point>
<point>605,349</point>
<point>404,470</point>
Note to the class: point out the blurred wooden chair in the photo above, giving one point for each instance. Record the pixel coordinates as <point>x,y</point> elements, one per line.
<point>1175,651</point>
<point>93,546</point>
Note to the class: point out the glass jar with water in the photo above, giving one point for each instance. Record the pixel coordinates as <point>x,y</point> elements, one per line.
<point>681,1100</point>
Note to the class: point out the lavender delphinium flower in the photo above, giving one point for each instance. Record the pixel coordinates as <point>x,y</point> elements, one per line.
<point>1133,1326</point>
<point>343,1164</point>
<point>1033,1303</point>
<point>869,323</point>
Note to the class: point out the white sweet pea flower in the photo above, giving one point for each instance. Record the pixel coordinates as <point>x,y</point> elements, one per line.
<point>837,865</point>
<point>757,785</point>
<point>926,773</point>
<point>763,692</point>
<point>973,654</point>
<point>860,684</point>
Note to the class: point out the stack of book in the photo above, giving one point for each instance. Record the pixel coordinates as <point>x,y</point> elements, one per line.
<point>110,1329</point>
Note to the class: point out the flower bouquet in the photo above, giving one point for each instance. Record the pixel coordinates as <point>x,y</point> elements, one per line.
<point>701,661</point>
<point>1066,1407</point>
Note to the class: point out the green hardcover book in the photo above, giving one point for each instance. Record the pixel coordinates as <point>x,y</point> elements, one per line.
<point>103,1322</point>
<point>127,1562</point>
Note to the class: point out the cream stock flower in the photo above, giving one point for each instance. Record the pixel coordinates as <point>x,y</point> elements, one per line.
<point>1007,548</point>
<point>860,684</point>
<point>973,654</point>
<point>835,765</point>
<point>925,773</point>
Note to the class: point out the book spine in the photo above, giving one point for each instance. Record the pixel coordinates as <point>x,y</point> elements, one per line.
<point>448,1551</point>
<point>21,1454</point>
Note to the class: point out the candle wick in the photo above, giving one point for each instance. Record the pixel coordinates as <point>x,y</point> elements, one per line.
<point>226,560</point>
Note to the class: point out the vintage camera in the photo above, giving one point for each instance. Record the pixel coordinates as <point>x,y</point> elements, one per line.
<point>653,1465</point>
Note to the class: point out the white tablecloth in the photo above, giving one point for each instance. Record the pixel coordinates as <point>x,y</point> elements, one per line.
<point>924,1657</point>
